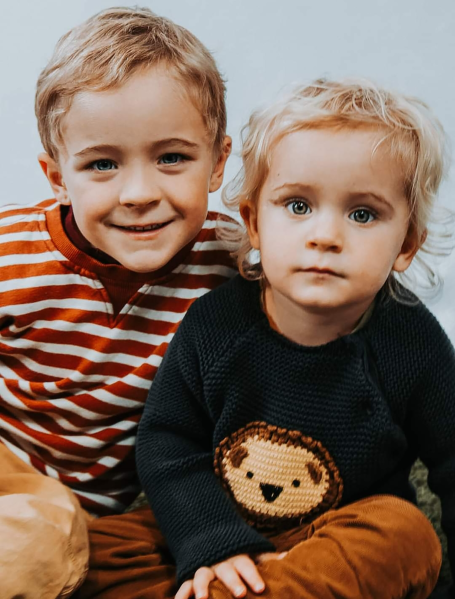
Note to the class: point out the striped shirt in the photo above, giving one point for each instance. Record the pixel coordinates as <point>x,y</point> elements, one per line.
<point>75,376</point>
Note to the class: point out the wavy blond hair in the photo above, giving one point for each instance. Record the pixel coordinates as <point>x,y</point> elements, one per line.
<point>412,135</point>
<point>104,51</point>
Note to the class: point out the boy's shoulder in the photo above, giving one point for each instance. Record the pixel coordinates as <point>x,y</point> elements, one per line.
<point>213,222</point>
<point>209,256</point>
<point>19,215</point>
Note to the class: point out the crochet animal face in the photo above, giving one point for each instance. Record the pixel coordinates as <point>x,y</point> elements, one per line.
<point>277,476</point>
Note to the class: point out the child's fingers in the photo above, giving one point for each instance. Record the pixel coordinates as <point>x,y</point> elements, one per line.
<point>247,569</point>
<point>185,591</point>
<point>226,572</point>
<point>236,569</point>
<point>202,578</point>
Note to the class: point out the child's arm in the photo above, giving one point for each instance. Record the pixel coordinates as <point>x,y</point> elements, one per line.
<point>175,463</point>
<point>432,430</point>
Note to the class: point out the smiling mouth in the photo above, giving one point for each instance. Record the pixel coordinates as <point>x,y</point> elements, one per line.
<point>138,229</point>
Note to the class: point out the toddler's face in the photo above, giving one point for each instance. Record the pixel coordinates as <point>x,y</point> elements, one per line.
<point>331,221</point>
<point>137,168</point>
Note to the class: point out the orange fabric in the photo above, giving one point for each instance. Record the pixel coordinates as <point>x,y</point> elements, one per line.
<point>43,531</point>
<point>376,548</point>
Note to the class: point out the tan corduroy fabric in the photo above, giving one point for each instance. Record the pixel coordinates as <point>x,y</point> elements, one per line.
<point>43,531</point>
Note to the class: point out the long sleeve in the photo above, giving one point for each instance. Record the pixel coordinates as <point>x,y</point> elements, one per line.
<point>432,427</point>
<point>175,465</point>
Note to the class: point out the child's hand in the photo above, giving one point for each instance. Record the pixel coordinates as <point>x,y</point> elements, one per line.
<point>233,572</point>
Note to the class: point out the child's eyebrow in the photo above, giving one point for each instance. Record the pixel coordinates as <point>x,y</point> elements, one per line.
<point>156,146</point>
<point>295,188</point>
<point>174,141</point>
<point>375,196</point>
<point>100,149</point>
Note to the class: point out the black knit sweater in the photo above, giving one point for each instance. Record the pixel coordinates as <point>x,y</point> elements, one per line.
<point>246,432</point>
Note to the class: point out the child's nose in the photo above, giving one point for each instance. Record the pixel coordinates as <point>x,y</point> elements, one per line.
<point>325,235</point>
<point>140,189</point>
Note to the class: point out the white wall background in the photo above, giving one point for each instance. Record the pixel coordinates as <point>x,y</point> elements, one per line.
<point>261,46</point>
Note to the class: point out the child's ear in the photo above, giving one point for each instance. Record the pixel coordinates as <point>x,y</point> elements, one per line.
<point>408,250</point>
<point>218,170</point>
<point>54,175</point>
<point>248,211</point>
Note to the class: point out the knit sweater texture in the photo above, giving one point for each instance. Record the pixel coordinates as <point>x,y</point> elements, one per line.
<point>246,432</point>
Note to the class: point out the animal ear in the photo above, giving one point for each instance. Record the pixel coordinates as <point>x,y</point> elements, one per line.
<point>314,471</point>
<point>237,455</point>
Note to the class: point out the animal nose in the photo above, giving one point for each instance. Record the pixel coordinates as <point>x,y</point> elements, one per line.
<point>270,492</point>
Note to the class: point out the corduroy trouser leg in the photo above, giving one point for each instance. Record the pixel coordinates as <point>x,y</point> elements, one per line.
<point>43,534</point>
<point>378,548</point>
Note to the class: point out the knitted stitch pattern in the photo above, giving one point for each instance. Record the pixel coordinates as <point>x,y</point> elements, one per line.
<point>245,430</point>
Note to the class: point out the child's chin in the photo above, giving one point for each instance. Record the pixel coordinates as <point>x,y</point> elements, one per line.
<point>141,264</point>
<point>142,269</point>
<point>320,305</point>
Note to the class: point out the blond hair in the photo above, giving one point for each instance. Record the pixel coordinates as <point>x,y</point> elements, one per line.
<point>411,132</point>
<point>104,51</point>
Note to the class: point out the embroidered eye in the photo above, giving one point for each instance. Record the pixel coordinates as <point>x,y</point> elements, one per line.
<point>296,483</point>
<point>249,474</point>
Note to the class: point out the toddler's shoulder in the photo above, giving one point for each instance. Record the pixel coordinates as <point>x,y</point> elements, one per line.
<point>225,313</point>
<point>411,326</point>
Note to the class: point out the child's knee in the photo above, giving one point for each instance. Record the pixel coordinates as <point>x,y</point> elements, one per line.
<point>405,521</point>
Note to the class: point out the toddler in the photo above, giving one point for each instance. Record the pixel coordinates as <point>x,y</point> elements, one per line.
<point>278,436</point>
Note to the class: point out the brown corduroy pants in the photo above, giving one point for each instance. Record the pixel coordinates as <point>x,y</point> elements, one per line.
<point>378,548</point>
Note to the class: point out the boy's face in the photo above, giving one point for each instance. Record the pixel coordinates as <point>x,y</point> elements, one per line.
<point>331,221</point>
<point>136,167</point>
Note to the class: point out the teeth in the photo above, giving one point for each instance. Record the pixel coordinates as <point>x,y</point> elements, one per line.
<point>148,228</point>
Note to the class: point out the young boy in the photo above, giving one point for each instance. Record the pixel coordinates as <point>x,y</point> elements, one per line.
<point>95,282</point>
<point>294,399</point>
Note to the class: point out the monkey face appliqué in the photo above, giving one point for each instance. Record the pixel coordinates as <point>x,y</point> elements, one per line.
<point>277,476</point>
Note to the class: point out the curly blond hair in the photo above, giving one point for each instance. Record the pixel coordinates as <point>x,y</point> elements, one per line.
<point>412,135</point>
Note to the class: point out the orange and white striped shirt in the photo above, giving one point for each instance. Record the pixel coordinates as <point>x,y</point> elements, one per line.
<point>73,375</point>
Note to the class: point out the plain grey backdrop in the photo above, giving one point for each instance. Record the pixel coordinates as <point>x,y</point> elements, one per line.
<point>261,46</point>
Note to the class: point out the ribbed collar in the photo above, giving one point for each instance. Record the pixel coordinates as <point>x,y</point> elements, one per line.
<point>78,255</point>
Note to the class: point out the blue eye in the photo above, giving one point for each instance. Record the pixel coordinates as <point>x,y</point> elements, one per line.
<point>298,207</point>
<point>172,158</point>
<point>362,216</point>
<point>103,165</point>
